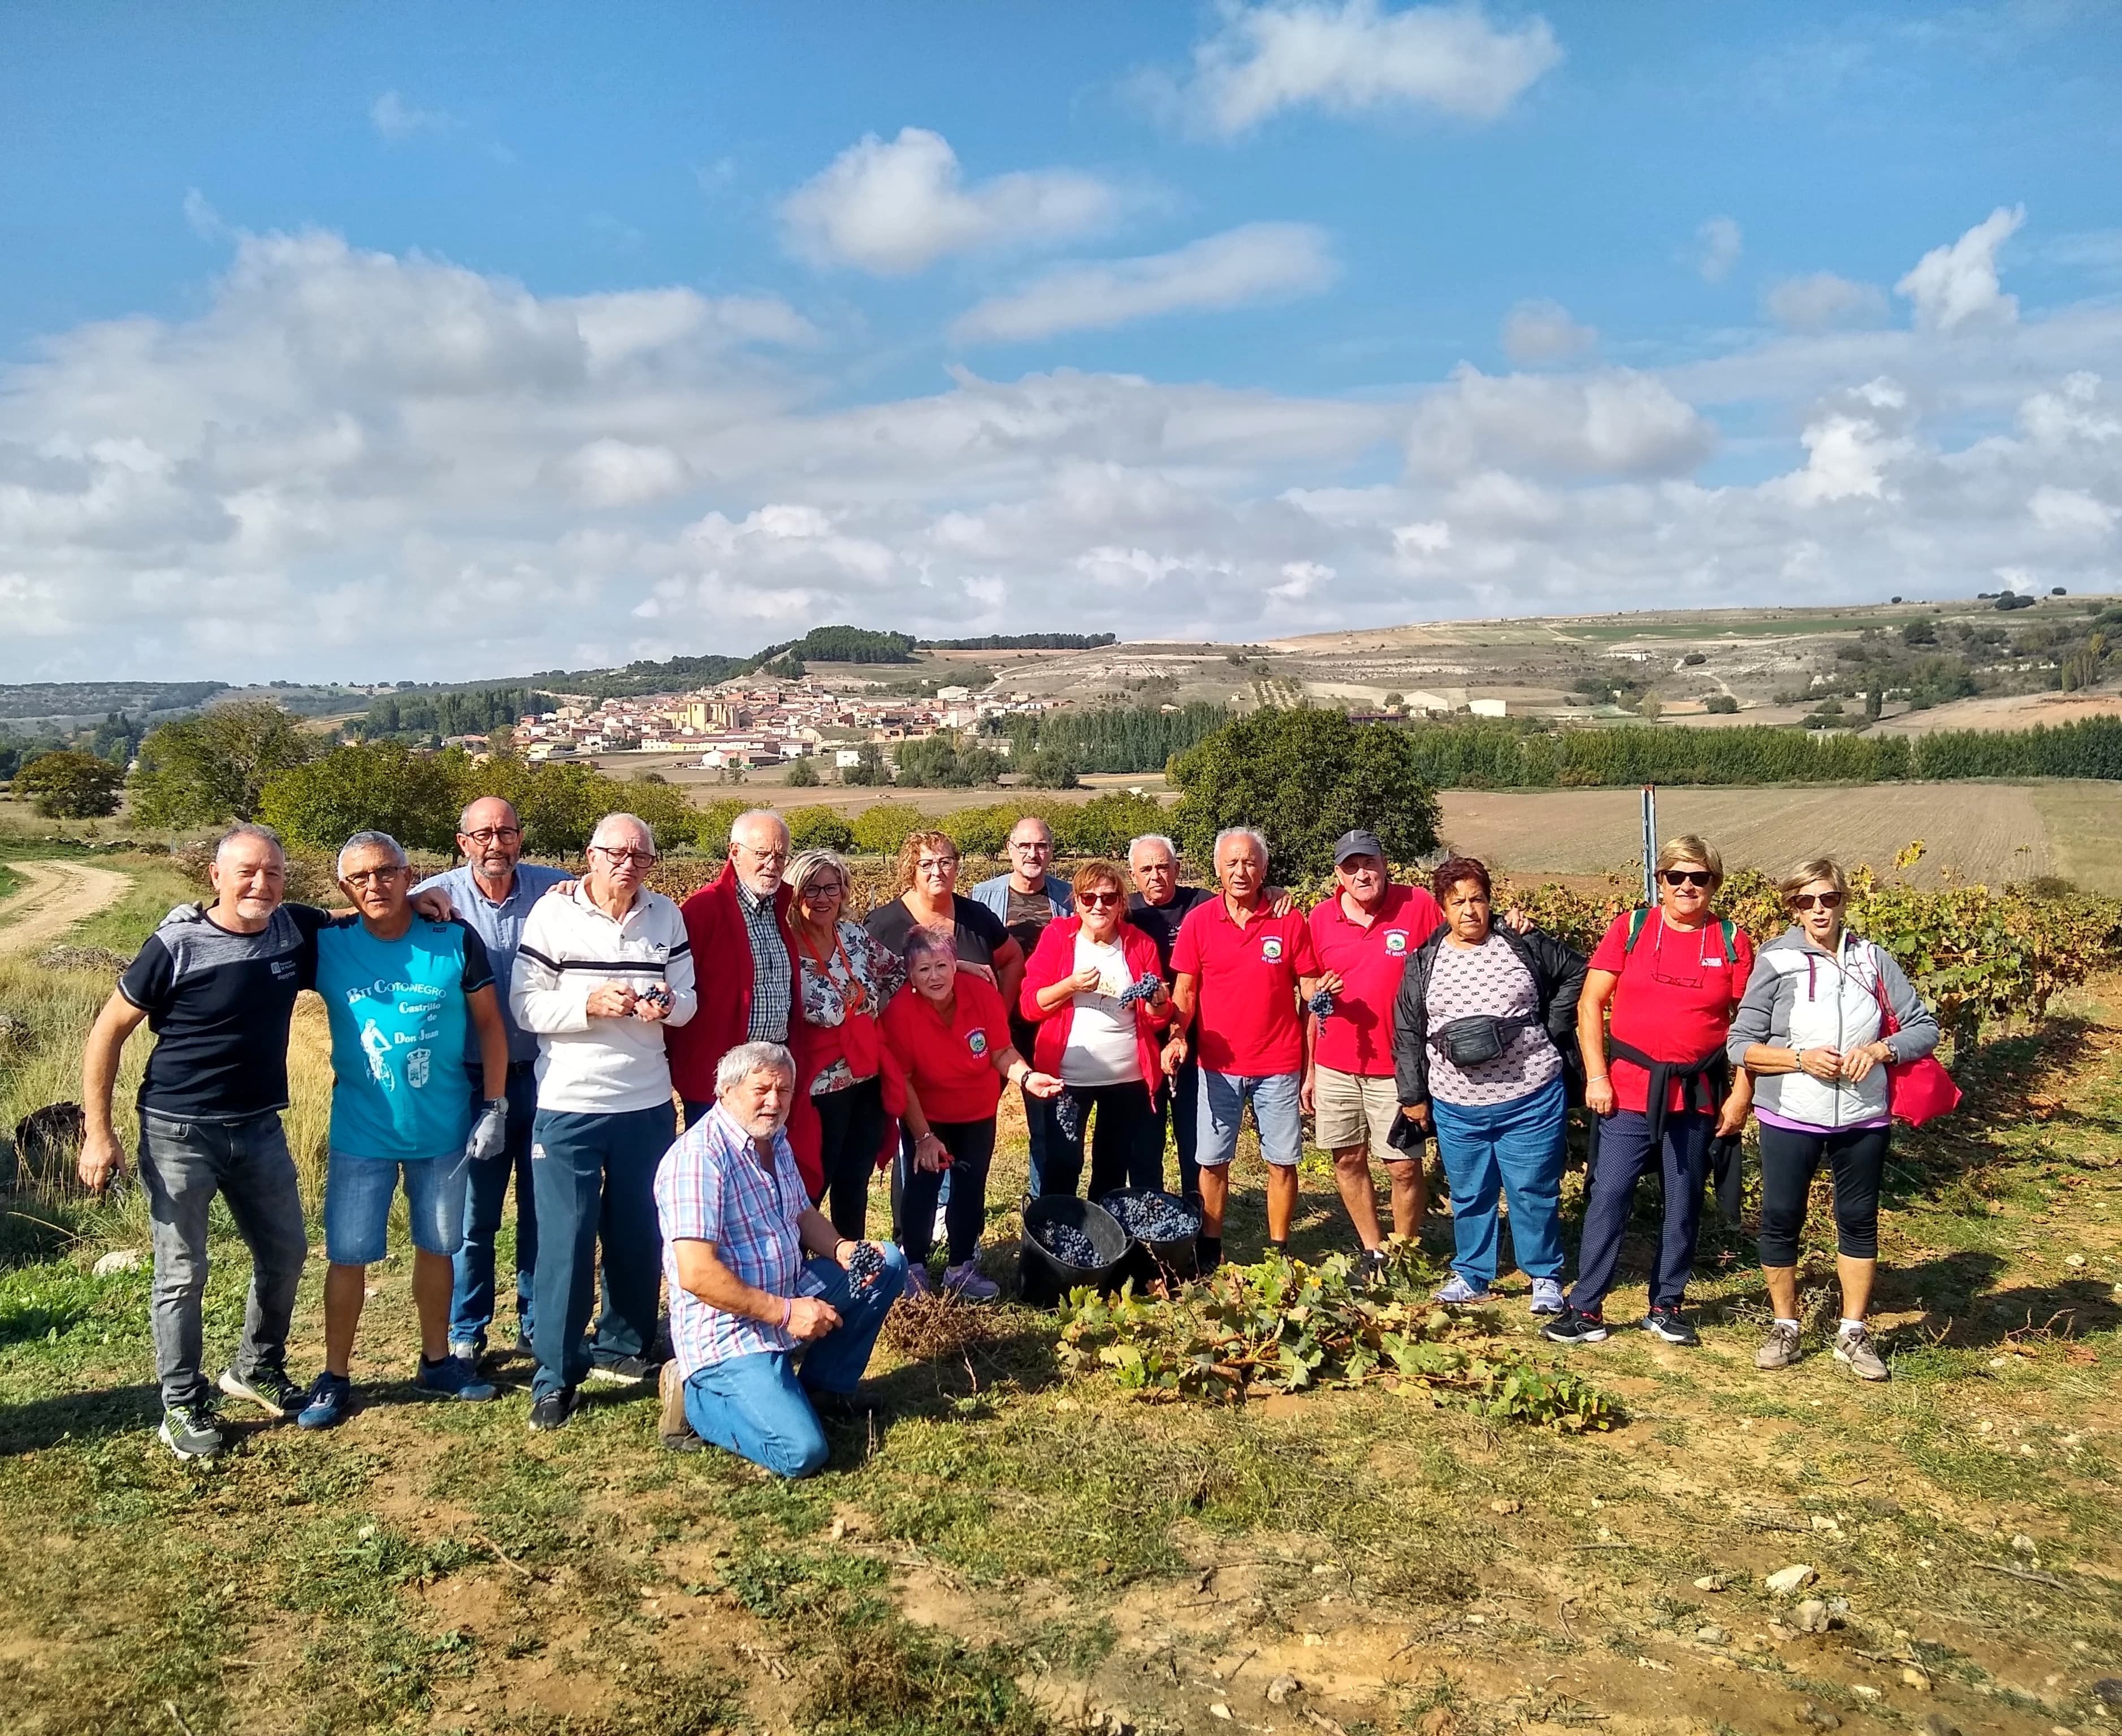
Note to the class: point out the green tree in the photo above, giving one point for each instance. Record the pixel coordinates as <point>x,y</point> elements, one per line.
<point>71,785</point>
<point>869,770</point>
<point>1304,776</point>
<point>1051,769</point>
<point>201,771</point>
<point>380,785</point>
<point>880,830</point>
<point>1720,705</point>
<point>802,775</point>
<point>820,829</point>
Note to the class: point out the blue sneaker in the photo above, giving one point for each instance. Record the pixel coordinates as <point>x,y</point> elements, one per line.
<point>452,1378</point>
<point>330,1403</point>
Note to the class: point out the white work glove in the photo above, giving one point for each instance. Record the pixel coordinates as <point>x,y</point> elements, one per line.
<point>489,1133</point>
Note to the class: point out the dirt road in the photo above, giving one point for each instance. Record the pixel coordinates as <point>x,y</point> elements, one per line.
<point>57,896</point>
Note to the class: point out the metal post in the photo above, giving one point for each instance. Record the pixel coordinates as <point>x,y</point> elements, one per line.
<point>1650,844</point>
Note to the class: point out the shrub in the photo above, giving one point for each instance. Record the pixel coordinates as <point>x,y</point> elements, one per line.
<point>71,785</point>
<point>1721,705</point>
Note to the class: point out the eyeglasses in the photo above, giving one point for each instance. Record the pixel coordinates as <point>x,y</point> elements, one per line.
<point>491,834</point>
<point>821,890</point>
<point>936,864</point>
<point>1097,900</point>
<point>1032,843</point>
<point>641,858</point>
<point>1686,876</point>
<point>374,876</point>
<point>1819,900</point>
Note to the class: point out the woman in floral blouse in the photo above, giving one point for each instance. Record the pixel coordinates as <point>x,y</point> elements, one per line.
<point>846,978</point>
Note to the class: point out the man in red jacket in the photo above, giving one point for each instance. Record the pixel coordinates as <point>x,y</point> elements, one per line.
<point>745,968</point>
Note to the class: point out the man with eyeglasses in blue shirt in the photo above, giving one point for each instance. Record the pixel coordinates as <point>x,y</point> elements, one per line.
<point>493,892</point>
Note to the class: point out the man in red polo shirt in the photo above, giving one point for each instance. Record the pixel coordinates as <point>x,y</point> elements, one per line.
<point>1364,933</point>
<point>1240,968</point>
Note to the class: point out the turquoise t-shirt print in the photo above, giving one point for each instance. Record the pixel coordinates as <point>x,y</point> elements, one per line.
<point>399,1018</point>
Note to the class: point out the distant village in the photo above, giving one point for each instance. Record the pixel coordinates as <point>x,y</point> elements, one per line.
<point>742,725</point>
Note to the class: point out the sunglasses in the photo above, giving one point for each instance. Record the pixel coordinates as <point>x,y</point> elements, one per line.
<point>1816,901</point>
<point>1686,876</point>
<point>1097,900</point>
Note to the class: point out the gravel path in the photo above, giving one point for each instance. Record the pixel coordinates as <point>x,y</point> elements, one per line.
<point>57,896</point>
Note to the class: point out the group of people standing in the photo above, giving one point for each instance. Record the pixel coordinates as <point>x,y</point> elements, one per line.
<point>508,1022</point>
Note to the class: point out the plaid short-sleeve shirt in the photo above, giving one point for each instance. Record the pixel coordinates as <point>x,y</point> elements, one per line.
<point>711,1187</point>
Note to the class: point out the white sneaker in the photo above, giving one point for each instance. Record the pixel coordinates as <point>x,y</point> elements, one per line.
<point>968,1281</point>
<point>1461,1294</point>
<point>1547,1295</point>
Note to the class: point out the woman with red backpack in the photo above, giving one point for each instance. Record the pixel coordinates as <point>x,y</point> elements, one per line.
<point>1659,1081</point>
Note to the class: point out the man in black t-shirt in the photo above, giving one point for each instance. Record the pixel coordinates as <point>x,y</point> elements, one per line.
<point>1158,906</point>
<point>217,984</point>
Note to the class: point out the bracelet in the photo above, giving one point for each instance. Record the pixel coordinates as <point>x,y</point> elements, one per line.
<point>1597,1079</point>
<point>837,1246</point>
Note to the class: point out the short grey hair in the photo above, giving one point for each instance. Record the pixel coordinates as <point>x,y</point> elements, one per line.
<point>740,1063</point>
<point>249,828</point>
<point>367,840</point>
<point>464,819</point>
<point>1151,837</point>
<point>1257,838</point>
<point>612,821</point>
<point>750,814</point>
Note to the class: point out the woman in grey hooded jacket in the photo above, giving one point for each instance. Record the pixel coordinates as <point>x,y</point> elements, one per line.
<point>1811,1028</point>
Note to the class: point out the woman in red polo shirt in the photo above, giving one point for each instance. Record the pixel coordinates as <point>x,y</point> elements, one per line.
<point>951,1036</point>
<point>1673,976</point>
<point>1101,1034</point>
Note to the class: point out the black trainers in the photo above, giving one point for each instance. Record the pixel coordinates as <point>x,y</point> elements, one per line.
<point>189,1430</point>
<point>1207,1253</point>
<point>1573,1327</point>
<point>268,1389</point>
<point>1372,1265</point>
<point>622,1371</point>
<point>552,1411</point>
<point>1672,1326</point>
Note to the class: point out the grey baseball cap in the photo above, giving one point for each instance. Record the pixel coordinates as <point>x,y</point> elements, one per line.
<point>1358,843</point>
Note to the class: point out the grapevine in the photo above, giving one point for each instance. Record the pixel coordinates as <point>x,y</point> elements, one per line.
<point>1285,1325</point>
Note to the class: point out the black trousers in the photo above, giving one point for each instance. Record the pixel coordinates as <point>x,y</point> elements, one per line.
<point>850,1130</point>
<point>1124,1132</point>
<point>1857,1159</point>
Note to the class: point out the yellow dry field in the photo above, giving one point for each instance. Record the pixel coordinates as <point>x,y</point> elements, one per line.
<point>1991,832</point>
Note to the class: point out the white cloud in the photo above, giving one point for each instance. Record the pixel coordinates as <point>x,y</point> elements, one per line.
<point>396,120</point>
<point>895,208</point>
<point>1618,422</point>
<point>348,465</point>
<point>1259,262</point>
<point>2071,513</point>
<point>201,218</point>
<point>1952,286</point>
<point>1536,332</point>
<point>1355,56</point>
<point>1821,301</point>
<point>1718,243</point>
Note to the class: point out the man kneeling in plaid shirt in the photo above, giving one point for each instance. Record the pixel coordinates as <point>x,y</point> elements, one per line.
<point>746,1308</point>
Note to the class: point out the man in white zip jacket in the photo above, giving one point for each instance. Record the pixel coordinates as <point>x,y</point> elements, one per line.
<point>1812,1029</point>
<point>603,967</point>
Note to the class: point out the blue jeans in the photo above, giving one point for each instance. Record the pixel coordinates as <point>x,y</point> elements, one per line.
<point>183,1165</point>
<point>1624,1153</point>
<point>1513,1150</point>
<point>756,1407</point>
<point>1276,1112</point>
<point>473,1300</point>
<point>358,1195</point>
<point>593,1177</point>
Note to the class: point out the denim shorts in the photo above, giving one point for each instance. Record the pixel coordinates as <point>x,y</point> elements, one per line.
<point>1276,1111</point>
<point>357,1193</point>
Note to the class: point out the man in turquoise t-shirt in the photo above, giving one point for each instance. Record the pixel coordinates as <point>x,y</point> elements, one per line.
<point>401,994</point>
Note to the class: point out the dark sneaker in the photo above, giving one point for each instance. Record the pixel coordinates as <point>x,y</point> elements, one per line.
<point>1853,1345</point>
<point>841,1406</point>
<point>330,1403</point>
<point>453,1378</point>
<point>189,1430</point>
<point>523,1345</point>
<point>1575,1327</point>
<point>1372,1265</point>
<point>552,1411</point>
<point>268,1389</point>
<point>621,1370</point>
<point>671,1428</point>
<point>1780,1350</point>
<point>1672,1326</point>
<point>1207,1253</point>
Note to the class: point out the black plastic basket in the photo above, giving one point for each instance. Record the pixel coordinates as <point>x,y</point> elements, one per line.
<point>1042,1279</point>
<point>1173,1259</point>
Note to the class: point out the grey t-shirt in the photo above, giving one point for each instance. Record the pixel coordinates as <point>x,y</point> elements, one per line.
<point>1488,978</point>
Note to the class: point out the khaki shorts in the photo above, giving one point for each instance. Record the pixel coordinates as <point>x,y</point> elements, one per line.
<point>1349,1107</point>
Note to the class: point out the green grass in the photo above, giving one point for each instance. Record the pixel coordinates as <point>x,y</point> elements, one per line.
<point>1008,1548</point>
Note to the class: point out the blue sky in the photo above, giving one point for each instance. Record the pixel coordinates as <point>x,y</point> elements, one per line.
<point>387,341</point>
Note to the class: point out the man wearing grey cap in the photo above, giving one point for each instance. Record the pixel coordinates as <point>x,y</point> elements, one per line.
<point>1364,933</point>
